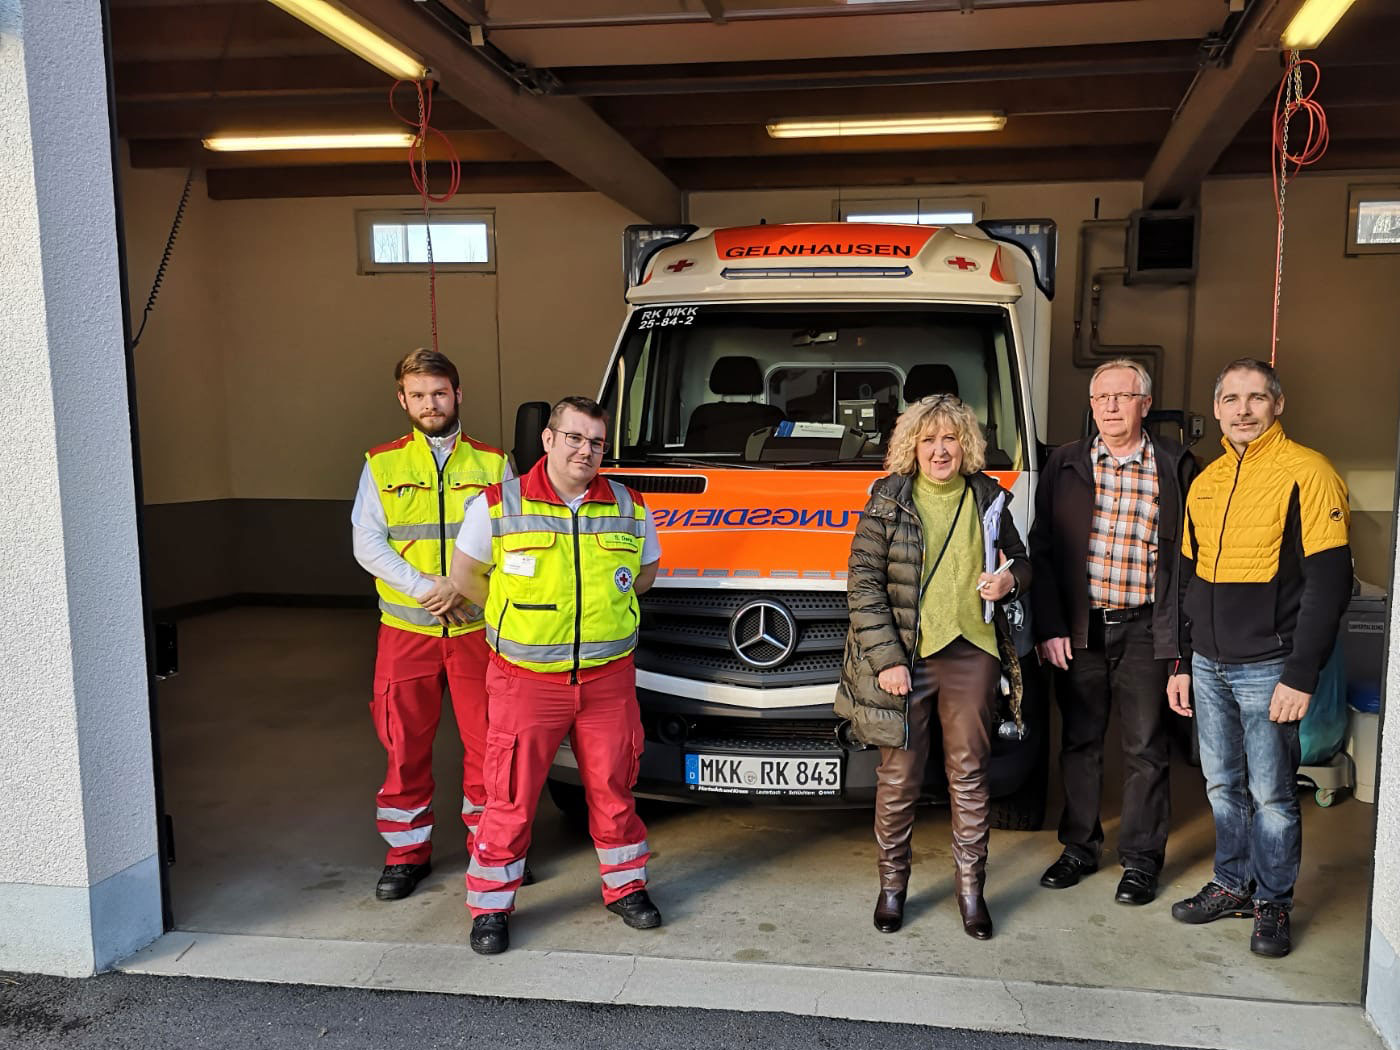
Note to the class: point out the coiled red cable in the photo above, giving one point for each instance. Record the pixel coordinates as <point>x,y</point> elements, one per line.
<point>418,172</point>
<point>1290,101</point>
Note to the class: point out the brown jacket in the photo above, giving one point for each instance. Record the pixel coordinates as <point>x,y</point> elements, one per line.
<point>885,574</point>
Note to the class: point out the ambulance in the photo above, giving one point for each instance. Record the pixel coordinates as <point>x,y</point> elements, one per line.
<point>753,390</point>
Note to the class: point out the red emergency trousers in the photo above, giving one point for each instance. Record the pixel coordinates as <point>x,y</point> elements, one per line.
<point>530,714</point>
<point>410,671</point>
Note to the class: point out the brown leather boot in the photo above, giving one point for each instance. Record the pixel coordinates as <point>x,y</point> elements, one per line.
<point>964,709</point>
<point>889,910</point>
<point>976,920</point>
<point>898,780</point>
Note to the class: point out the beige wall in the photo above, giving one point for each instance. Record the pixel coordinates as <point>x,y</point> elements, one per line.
<point>181,395</point>
<point>1337,342</point>
<point>266,370</point>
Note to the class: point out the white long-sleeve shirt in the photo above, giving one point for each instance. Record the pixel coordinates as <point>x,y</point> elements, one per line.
<point>369,528</point>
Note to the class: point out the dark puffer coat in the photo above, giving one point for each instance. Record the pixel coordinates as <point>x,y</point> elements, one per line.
<point>886,570</point>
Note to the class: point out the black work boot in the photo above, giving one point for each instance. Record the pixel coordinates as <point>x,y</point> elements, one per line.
<point>637,911</point>
<point>491,933</point>
<point>1271,936</point>
<point>398,880</point>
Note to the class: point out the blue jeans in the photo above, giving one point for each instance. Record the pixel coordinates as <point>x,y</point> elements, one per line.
<point>1250,765</point>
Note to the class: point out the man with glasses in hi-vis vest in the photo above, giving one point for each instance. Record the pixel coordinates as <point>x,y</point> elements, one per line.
<point>405,519</point>
<point>558,558</point>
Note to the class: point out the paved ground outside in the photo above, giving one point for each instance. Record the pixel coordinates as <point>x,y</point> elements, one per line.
<point>119,1011</point>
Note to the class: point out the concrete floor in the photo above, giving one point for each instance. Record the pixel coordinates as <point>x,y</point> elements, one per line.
<point>271,766</point>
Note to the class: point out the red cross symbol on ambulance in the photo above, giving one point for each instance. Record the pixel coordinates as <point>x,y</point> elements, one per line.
<point>677,267</point>
<point>958,262</point>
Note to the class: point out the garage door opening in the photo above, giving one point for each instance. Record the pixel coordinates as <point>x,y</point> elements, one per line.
<point>265,373</point>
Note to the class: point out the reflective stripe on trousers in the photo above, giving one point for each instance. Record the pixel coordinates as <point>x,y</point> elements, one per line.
<point>491,887</point>
<point>623,865</point>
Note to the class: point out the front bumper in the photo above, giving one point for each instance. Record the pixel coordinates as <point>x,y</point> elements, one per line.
<point>807,732</point>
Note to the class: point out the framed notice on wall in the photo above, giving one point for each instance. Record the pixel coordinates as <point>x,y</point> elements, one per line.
<point>1373,219</point>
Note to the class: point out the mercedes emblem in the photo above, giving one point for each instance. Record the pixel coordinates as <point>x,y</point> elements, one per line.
<point>763,633</point>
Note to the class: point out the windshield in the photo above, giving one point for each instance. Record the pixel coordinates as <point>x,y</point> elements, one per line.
<point>805,384</point>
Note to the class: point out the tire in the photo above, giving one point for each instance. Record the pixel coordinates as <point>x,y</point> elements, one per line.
<point>570,800</point>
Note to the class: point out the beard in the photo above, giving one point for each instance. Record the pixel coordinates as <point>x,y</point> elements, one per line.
<point>437,426</point>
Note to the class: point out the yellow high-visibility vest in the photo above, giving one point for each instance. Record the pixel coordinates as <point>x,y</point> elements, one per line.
<point>423,506</point>
<point>561,595</point>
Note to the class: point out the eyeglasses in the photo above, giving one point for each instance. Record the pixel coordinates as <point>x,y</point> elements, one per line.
<point>1113,399</point>
<point>596,445</point>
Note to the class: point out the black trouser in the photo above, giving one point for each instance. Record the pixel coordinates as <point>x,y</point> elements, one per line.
<point>1118,666</point>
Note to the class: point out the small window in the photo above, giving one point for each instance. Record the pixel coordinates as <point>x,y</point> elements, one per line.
<point>920,211</point>
<point>397,241</point>
<point>1373,219</point>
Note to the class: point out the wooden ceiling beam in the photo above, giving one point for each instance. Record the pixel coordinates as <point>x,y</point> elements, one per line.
<point>471,147</point>
<point>1372,154</point>
<point>849,30</point>
<point>1071,95</point>
<point>955,167</point>
<point>198,118</point>
<point>566,131</point>
<point>1179,57</point>
<point>379,180</point>
<point>240,77</point>
<point>1046,132</point>
<point>248,29</point>
<point>1220,101</point>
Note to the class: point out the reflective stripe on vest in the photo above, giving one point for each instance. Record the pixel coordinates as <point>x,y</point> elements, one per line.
<point>561,596</point>
<point>423,507</point>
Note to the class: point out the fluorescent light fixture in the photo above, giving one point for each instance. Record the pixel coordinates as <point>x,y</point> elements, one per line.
<point>354,35</point>
<point>1313,22</point>
<point>342,140</point>
<point>835,127</point>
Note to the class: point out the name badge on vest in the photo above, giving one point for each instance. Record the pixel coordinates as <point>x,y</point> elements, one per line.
<point>519,565</point>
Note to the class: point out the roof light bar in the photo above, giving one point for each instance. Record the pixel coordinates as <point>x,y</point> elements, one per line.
<point>834,127</point>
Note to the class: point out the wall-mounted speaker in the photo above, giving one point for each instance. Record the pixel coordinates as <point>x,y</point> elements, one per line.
<point>1163,246</point>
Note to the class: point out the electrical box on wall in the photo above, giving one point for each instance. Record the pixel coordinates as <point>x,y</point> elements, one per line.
<point>1163,246</point>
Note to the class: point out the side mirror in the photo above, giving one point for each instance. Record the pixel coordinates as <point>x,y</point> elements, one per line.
<point>530,421</point>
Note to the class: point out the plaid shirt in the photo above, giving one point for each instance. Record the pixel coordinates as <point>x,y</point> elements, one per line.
<point>1123,536</point>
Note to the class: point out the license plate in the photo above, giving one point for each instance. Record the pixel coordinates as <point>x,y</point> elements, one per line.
<point>761,775</point>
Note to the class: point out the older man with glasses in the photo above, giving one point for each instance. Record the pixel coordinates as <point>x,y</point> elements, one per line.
<point>1107,612</point>
<point>558,558</point>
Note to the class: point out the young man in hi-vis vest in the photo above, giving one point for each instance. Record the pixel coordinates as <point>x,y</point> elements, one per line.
<point>558,558</point>
<point>406,516</point>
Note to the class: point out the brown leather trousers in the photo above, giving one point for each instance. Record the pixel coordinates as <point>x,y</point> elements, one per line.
<point>960,680</point>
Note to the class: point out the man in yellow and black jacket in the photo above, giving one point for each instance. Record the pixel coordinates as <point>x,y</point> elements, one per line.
<point>1265,545</point>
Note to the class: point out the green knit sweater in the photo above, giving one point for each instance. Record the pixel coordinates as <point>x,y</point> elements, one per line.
<point>951,607</point>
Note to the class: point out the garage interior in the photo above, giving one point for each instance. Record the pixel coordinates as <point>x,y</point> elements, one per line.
<point>264,372</point>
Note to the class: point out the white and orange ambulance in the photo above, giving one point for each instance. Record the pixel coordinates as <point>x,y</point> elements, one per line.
<point>753,390</point>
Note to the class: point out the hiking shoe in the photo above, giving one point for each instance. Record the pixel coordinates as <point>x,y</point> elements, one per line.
<point>1270,935</point>
<point>1213,902</point>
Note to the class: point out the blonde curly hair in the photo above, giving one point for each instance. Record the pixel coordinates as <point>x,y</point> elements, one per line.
<point>923,417</point>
